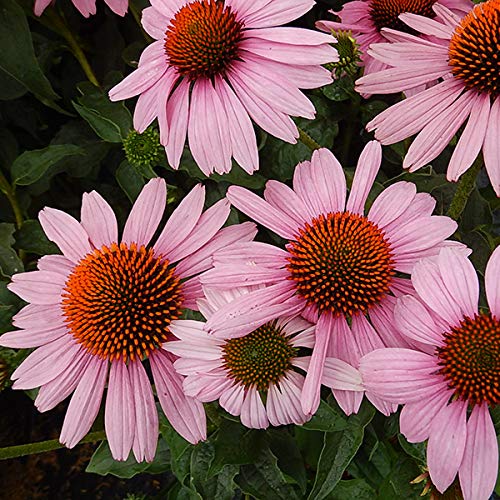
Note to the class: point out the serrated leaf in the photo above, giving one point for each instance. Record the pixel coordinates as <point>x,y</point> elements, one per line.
<point>31,238</point>
<point>31,165</point>
<point>17,57</point>
<point>102,462</point>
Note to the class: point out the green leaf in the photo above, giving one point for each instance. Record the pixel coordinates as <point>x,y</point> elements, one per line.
<point>351,489</point>
<point>340,90</point>
<point>17,57</point>
<point>129,180</point>
<point>264,480</point>
<point>416,450</point>
<point>326,419</point>
<point>31,238</point>
<point>111,121</point>
<point>10,263</point>
<point>102,462</point>
<point>31,165</point>
<point>10,88</point>
<point>180,449</point>
<point>338,450</point>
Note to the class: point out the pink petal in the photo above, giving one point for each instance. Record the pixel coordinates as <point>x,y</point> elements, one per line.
<point>460,278</point>
<point>59,388</point>
<point>201,260</point>
<point>364,177</point>
<point>414,321</point>
<point>66,232</point>
<point>151,101</point>
<point>206,387</point>
<point>284,199</point>
<point>416,418</point>
<point>312,385</point>
<point>182,221</point>
<point>479,468</point>
<point>45,363</point>
<point>85,402</point>
<point>36,316</point>
<point>365,336</point>
<point>294,36</point>
<point>241,131</point>
<point>186,415</point>
<point>146,213</point>
<point>119,415</point>
<point>232,399</point>
<point>56,263</point>
<point>471,140</point>
<point>491,147</point>
<point>154,22</point>
<point>38,287</point>
<point>492,283</point>
<point>262,212</point>
<point>253,413</point>
<point>173,128</point>
<point>98,220</point>
<point>340,375</point>
<point>20,339</point>
<point>427,26</point>
<point>119,7</point>
<point>446,445</point>
<point>146,416</point>
<point>277,12</point>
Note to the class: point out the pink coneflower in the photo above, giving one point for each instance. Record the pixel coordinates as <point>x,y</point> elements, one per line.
<point>215,65</point>
<point>456,370</point>
<point>106,304</point>
<point>338,264</point>
<point>367,19</point>
<point>85,7</point>
<point>464,59</point>
<point>240,372</point>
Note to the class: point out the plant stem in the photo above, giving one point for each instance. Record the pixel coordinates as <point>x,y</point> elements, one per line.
<point>9,192</point>
<point>60,25</point>
<point>465,187</point>
<point>306,139</point>
<point>53,444</point>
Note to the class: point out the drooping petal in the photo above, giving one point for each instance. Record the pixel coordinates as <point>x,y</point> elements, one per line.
<point>491,147</point>
<point>492,282</point>
<point>253,413</point>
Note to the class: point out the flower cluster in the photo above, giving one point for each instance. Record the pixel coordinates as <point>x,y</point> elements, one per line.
<point>356,285</point>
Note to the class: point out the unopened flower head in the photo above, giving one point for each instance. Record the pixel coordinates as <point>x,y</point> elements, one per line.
<point>216,66</point>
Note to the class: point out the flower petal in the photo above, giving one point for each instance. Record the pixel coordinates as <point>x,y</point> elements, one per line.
<point>98,220</point>
<point>492,283</point>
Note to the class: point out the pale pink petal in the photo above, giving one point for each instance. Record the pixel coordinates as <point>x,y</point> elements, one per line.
<point>460,278</point>
<point>173,132</point>
<point>262,212</point>
<point>66,232</point>
<point>59,388</point>
<point>416,418</point>
<point>437,134</point>
<point>430,286</point>
<point>471,140</point>
<point>201,260</point>
<point>364,177</point>
<point>151,101</point>
<point>146,213</point>
<point>186,415</point>
<point>427,26</point>
<point>400,375</point>
<point>98,220</point>
<point>206,387</point>
<point>21,339</point>
<point>119,415</point>
<point>241,132</point>
<point>194,366</point>
<point>409,54</point>
<point>38,287</point>
<point>391,203</point>
<point>204,230</point>
<point>414,321</point>
<point>479,468</point>
<point>146,416</point>
<point>45,363</point>
<point>338,374</point>
<point>266,14</point>
<point>182,221</point>
<point>382,318</point>
<point>365,336</point>
<point>252,254</point>
<point>491,147</point>
<point>232,399</point>
<point>273,121</point>
<point>294,36</point>
<point>55,263</point>
<point>446,445</point>
<point>192,291</point>
<point>85,403</point>
<point>34,316</point>
<point>492,282</point>
<point>253,413</point>
<point>39,6</point>
<point>284,199</point>
<point>312,385</point>
<point>119,7</point>
<point>154,22</point>
<point>86,8</point>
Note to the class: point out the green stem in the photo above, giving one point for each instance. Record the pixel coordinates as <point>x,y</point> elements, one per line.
<point>465,187</point>
<point>64,30</point>
<point>42,447</point>
<point>10,193</point>
<point>306,139</point>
